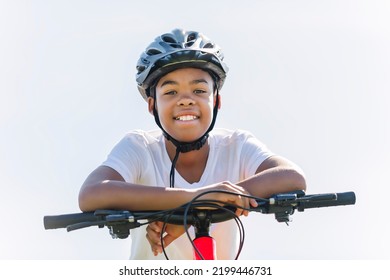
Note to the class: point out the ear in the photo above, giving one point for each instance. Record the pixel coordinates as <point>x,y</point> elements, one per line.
<point>151,104</point>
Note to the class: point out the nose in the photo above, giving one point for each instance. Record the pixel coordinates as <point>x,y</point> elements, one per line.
<point>185,101</point>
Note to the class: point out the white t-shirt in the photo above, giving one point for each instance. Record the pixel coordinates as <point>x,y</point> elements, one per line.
<point>141,158</point>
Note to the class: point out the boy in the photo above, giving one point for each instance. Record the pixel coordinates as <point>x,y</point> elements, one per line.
<point>180,75</point>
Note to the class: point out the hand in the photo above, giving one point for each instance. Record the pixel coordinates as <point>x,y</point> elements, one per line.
<point>235,198</point>
<point>153,235</point>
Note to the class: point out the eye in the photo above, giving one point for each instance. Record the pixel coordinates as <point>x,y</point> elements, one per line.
<point>199,91</point>
<point>170,92</point>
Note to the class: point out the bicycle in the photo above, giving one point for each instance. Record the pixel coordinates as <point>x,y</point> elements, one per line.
<point>200,214</point>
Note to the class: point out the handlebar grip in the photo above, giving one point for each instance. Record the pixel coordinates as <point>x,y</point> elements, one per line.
<point>62,221</point>
<point>346,198</point>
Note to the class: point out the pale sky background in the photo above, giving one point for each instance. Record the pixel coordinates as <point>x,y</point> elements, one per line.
<point>311,79</point>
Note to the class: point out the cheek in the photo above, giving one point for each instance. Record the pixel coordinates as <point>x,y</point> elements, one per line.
<point>162,111</point>
<point>212,103</point>
<point>208,111</point>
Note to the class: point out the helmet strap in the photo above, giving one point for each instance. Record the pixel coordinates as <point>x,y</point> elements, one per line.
<point>184,147</point>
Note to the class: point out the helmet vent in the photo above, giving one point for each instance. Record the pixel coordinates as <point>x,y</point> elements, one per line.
<point>171,41</point>
<point>175,45</point>
<point>208,46</point>
<point>191,39</point>
<point>153,52</point>
<point>168,39</point>
<point>140,68</point>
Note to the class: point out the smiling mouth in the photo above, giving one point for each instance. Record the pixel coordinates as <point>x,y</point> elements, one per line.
<point>186,118</point>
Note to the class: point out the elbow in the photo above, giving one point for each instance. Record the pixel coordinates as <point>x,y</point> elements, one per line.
<point>292,178</point>
<point>85,199</point>
<point>302,183</point>
<point>83,204</point>
<point>298,179</point>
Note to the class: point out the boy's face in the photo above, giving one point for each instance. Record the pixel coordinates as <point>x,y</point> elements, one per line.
<point>185,102</point>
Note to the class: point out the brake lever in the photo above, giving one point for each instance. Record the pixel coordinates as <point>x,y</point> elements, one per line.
<point>283,205</point>
<point>118,222</point>
<point>84,225</point>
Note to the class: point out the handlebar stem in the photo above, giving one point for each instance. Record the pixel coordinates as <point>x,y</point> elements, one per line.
<point>202,222</point>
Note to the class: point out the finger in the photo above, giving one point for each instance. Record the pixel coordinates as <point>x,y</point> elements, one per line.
<point>247,202</point>
<point>168,239</point>
<point>156,249</point>
<point>153,236</point>
<point>240,204</point>
<point>250,203</point>
<point>253,202</point>
<point>244,213</point>
<point>155,226</point>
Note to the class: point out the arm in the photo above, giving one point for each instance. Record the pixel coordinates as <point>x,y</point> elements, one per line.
<point>105,188</point>
<point>275,175</point>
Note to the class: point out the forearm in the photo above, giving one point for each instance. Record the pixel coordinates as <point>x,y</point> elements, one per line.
<point>111,194</point>
<point>274,180</point>
<point>105,189</point>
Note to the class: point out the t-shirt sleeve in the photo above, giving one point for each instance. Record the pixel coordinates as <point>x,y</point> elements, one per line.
<point>253,153</point>
<point>124,158</point>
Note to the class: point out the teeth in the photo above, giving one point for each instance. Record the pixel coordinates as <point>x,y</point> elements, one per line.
<point>186,118</point>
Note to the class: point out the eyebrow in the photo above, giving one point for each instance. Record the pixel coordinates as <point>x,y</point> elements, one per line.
<point>194,82</point>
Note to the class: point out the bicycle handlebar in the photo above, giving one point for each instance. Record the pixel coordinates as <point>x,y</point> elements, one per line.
<point>120,222</point>
<point>316,201</point>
